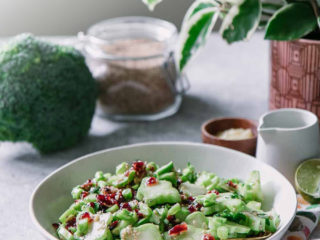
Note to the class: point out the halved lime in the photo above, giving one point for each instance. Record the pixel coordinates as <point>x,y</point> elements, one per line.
<point>307,180</point>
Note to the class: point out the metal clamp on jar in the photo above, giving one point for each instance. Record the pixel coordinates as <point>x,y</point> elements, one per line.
<point>132,59</point>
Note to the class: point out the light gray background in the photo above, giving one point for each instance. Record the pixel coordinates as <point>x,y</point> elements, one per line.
<point>67,17</point>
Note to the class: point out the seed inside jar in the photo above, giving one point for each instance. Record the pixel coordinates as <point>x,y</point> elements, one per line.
<point>135,86</point>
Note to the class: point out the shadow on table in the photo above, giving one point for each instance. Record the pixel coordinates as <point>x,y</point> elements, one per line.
<point>184,126</point>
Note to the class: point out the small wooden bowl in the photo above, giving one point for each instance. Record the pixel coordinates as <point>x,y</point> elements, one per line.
<point>210,128</point>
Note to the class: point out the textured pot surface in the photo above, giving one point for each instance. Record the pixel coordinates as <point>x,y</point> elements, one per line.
<point>295,79</point>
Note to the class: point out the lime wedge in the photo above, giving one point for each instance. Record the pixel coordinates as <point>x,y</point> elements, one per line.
<point>307,180</point>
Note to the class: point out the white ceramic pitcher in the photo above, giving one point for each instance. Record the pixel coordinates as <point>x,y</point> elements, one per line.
<point>286,137</point>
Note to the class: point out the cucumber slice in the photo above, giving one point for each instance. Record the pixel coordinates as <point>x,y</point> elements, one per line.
<point>251,190</point>
<point>174,209</point>
<point>235,228</point>
<point>76,192</point>
<point>215,222</point>
<point>90,198</point>
<point>256,223</point>
<point>225,229</point>
<point>234,205</point>
<point>144,232</point>
<point>82,227</point>
<point>182,214</point>
<point>64,234</point>
<point>191,233</point>
<point>193,190</point>
<point>98,229</point>
<point>159,193</point>
<point>222,232</point>
<point>122,168</point>
<point>272,222</point>
<point>70,212</point>
<point>198,220</point>
<point>253,205</point>
<point>205,179</point>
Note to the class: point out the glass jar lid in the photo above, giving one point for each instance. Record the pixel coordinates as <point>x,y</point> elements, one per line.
<point>158,34</point>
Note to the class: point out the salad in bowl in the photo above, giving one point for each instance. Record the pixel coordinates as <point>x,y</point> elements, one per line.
<point>143,201</point>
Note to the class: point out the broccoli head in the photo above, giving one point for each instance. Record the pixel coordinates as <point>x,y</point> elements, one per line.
<point>47,94</point>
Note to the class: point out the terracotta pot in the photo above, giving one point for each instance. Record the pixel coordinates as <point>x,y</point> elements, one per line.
<point>295,80</point>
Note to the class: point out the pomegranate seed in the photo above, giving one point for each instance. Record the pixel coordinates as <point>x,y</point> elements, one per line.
<point>198,206</point>
<point>152,181</point>
<point>84,194</point>
<point>119,197</point>
<point>127,173</point>
<point>192,208</point>
<point>91,204</point>
<point>100,198</point>
<point>231,184</point>
<point>107,190</point>
<point>208,237</point>
<point>183,197</point>
<point>55,226</point>
<point>178,229</point>
<point>86,215</point>
<point>215,192</point>
<point>171,218</point>
<point>113,225</point>
<point>152,169</point>
<point>71,223</point>
<point>125,206</point>
<point>87,185</point>
<point>109,200</point>
<point>190,199</point>
<point>140,215</point>
<point>138,166</point>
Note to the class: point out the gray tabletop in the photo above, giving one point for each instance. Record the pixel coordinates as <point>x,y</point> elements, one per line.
<point>226,81</point>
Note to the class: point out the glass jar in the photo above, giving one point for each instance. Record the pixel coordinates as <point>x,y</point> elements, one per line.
<point>132,59</point>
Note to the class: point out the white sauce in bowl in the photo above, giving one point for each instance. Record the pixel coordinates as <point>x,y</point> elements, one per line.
<point>235,134</point>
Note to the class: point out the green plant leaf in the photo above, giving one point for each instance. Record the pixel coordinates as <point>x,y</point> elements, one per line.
<point>151,3</point>
<point>271,7</point>
<point>196,29</point>
<point>263,23</point>
<point>291,22</point>
<point>241,21</point>
<point>315,4</point>
<point>197,6</point>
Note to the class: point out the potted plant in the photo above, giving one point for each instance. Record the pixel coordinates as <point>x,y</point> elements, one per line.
<point>292,27</point>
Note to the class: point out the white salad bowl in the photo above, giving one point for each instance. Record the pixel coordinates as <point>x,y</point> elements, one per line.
<point>52,196</point>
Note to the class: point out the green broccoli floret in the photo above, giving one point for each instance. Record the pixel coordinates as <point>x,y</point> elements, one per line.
<point>47,94</point>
